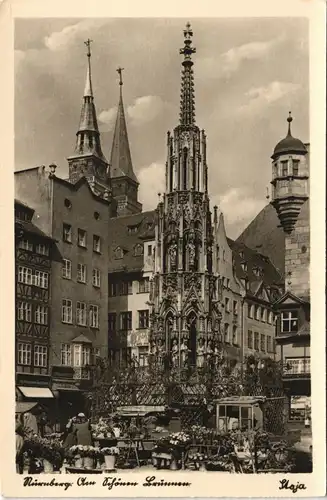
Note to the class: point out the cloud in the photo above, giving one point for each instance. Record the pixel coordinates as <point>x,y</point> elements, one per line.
<point>238,207</point>
<point>231,60</point>
<point>152,182</point>
<point>60,39</point>
<point>107,118</point>
<point>263,96</point>
<point>145,109</point>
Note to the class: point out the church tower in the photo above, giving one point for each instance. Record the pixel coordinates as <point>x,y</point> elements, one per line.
<point>290,197</point>
<point>123,179</point>
<point>88,160</point>
<point>184,320</point>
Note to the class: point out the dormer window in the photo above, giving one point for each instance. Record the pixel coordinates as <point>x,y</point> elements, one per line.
<point>242,255</point>
<point>289,321</point>
<point>119,253</point>
<point>257,271</point>
<point>244,267</point>
<point>132,229</point>
<point>138,250</point>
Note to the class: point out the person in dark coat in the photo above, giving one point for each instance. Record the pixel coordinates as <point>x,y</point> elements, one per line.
<point>70,438</point>
<point>83,430</point>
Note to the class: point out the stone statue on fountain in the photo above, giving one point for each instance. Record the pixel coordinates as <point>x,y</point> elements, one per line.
<point>200,354</point>
<point>184,353</point>
<point>174,354</point>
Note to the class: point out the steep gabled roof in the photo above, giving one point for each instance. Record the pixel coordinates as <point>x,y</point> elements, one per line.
<point>265,235</point>
<point>125,233</point>
<point>255,268</point>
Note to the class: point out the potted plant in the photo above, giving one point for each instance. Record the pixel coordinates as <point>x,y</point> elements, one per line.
<point>199,460</point>
<point>77,454</point>
<point>90,454</point>
<point>110,454</point>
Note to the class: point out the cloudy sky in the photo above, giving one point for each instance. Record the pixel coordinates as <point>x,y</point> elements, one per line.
<point>248,74</point>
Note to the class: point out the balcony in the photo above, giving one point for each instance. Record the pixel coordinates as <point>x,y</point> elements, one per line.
<point>81,373</point>
<point>297,368</point>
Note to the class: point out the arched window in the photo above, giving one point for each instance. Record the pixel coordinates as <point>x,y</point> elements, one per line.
<point>185,151</point>
<point>171,176</point>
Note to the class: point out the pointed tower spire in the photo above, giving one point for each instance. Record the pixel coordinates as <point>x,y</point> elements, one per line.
<point>88,143</point>
<point>187,106</point>
<point>121,160</point>
<point>123,179</point>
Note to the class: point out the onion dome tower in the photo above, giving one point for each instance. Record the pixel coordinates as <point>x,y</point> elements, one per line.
<point>290,177</point>
<point>88,160</point>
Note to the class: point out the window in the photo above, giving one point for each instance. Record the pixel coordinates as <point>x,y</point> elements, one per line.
<point>143,356</point>
<point>112,289</point>
<point>289,321</point>
<point>81,273</point>
<point>42,249</point>
<point>138,250</point>
<point>82,355</point>
<point>24,354</point>
<point>144,285</point>
<point>235,307</point>
<point>40,355</point>
<point>96,278</point>
<point>242,255</point>
<point>244,267</point>
<point>257,313</point>
<point>269,344</point>
<point>284,168</point>
<point>149,250</point>
<point>66,355</point>
<point>26,245</point>
<point>263,314</point>
<point>227,282</point>
<point>126,288</point>
<point>132,229</point>
<point>250,339</point>
<point>67,203</point>
<point>296,167</point>
<point>25,275</point>
<point>81,238</point>
<point>81,313</point>
<point>96,215</point>
<point>257,271</point>
<point>41,315</point>
<point>112,322</point>
<point>67,233</point>
<point>41,279</point>
<point>270,317</point>
<point>262,342</point>
<point>256,341</point>
<point>96,352</point>
<point>226,332</point>
<point>67,269</point>
<point>24,311</point>
<point>96,243</point>
<point>126,320</point>
<point>94,316</point>
<point>250,311</point>
<point>226,304</point>
<point>67,311</point>
<point>144,319</point>
<point>234,335</point>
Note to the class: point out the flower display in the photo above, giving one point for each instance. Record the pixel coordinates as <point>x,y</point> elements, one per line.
<point>84,451</point>
<point>44,448</point>
<point>179,439</point>
<point>102,430</point>
<point>112,450</point>
<point>198,457</point>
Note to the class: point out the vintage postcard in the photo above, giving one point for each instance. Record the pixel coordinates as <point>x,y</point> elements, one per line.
<point>162,293</point>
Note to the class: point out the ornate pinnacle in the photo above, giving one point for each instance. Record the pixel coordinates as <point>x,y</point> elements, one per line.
<point>120,73</point>
<point>289,119</point>
<point>187,106</point>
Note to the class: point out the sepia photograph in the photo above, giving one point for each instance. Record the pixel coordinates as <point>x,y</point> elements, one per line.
<point>162,249</point>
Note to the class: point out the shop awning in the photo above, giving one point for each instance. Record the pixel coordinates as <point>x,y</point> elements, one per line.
<point>23,407</point>
<point>36,392</point>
